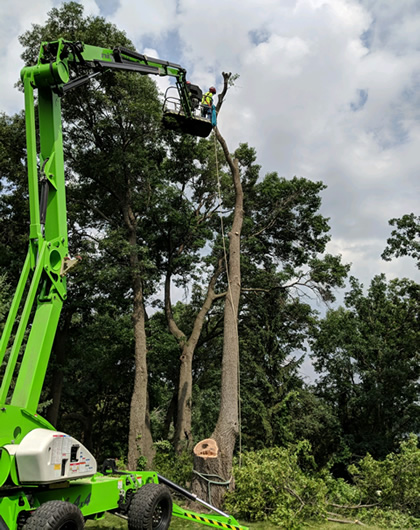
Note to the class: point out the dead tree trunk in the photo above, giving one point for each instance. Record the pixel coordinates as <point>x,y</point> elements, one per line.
<point>227,427</point>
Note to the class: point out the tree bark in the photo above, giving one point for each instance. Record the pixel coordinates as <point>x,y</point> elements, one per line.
<point>183,434</point>
<point>170,416</point>
<point>227,427</point>
<point>140,441</point>
<point>60,352</point>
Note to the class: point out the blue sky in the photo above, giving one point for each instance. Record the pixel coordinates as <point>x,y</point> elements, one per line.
<point>328,90</point>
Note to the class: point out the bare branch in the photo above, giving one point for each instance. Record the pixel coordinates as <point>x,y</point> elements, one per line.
<point>173,328</point>
<point>345,521</point>
<point>344,507</point>
<point>226,77</point>
<point>292,492</point>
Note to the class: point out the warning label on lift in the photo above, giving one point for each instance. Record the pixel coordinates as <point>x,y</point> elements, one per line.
<point>60,448</point>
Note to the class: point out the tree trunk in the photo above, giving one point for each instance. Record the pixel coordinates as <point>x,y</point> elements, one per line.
<point>140,441</point>
<point>183,434</point>
<point>170,416</point>
<point>227,427</point>
<point>60,352</point>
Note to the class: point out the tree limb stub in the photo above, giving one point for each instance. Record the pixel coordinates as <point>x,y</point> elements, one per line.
<point>226,77</point>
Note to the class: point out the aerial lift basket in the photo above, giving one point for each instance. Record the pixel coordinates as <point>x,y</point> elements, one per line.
<point>175,119</point>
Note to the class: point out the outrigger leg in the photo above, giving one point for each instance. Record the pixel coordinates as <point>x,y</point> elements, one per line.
<point>221,520</point>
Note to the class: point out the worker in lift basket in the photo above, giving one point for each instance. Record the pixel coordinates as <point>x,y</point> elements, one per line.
<point>207,102</point>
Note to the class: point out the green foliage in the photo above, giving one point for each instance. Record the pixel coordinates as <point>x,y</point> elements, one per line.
<point>284,220</point>
<point>173,466</point>
<point>389,518</point>
<point>313,419</point>
<point>281,485</point>
<point>368,358</point>
<point>98,381</point>
<point>393,482</point>
<point>68,21</point>
<point>232,79</point>
<point>141,463</point>
<point>278,485</point>
<point>405,238</point>
<point>384,492</point>
<point>14,208</point>
<point>4,299</point>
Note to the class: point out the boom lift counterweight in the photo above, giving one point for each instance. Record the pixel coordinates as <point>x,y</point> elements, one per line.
<point>47,478</point>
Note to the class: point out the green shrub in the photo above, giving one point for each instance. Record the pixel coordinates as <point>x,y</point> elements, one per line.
<point>393,483</point>
<point>385,493</point>
<point>281,485</point>
<point>271,486</point>
<point>175,467</point>
<point>388,518</point>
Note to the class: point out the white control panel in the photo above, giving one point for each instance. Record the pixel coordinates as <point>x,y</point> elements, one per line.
<point>45,456</point>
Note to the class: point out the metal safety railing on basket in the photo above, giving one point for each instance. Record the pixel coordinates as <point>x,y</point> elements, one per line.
<point>172,104</point>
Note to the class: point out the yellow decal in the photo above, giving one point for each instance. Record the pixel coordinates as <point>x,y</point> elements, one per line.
<point>211,521</point>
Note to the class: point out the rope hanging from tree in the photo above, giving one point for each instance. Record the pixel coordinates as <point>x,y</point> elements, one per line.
<point>208,478</point>
<point>230,291</point>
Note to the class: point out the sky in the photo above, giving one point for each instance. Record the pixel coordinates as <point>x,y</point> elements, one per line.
<point>328,90</point>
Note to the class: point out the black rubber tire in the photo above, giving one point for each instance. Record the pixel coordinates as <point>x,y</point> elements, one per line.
<point>150,508</point>
<point>56,515</point>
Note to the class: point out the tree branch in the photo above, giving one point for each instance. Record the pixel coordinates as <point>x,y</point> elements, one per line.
<point>226,77</point>
<point>345,521</point>
<point>353,507</point>
<point>173,328</point>
<point>292,492</point>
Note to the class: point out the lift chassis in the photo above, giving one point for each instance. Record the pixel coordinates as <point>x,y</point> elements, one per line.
<point>47,478</point>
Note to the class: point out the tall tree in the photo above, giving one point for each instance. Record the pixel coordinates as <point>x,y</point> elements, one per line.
<point>113,149</point>
<point>184,225</point>
<point>273,330</point>
<point>227,426</point>
<point>367,354</point>
<point>130,140</point>
<point>283,238</point>
<point>14,209</point>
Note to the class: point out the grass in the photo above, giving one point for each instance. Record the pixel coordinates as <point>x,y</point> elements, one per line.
<point>111,522</point>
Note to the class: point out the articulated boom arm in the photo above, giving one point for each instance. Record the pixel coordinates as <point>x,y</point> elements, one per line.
<point>58,57</point>
<point>48,478</point>
<point>61,66</point>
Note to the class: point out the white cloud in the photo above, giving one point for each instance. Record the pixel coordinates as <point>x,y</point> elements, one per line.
<point>143,19</point>
<point>15,18</point>
<point>90,7</point>
<point>302,65</point>
<point>328,89</point>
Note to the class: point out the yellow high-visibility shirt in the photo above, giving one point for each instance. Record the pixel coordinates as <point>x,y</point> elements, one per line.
<point>207,99</point>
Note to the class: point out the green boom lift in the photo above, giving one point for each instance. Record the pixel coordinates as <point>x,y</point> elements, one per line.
<point>47,478</point>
